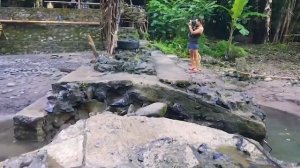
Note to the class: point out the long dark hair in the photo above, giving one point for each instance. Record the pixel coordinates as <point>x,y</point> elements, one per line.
<point>201,20</point>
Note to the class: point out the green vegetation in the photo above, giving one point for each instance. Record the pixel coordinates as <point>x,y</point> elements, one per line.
<point>238,16</point>
<point>169,19</point>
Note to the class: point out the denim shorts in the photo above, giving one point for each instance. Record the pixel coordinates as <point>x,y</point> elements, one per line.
<point>192,46</point>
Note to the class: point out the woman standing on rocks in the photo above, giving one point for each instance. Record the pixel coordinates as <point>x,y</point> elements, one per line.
<point>195,31</point>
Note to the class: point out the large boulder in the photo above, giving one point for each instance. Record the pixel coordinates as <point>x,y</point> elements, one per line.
<point>228,110</point>
<point>109,140</point>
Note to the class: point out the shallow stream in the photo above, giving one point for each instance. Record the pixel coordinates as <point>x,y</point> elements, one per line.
<point>283,135</point>
<point>9,147</point>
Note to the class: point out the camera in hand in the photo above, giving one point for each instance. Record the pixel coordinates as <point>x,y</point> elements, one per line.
<point>194,24</point>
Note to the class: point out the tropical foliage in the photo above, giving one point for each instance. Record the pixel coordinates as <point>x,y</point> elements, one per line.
<point>168,19</point>
<point>168,25</point>
<point>239,16</point>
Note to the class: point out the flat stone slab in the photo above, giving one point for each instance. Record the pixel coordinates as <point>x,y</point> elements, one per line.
<point>167,70</point>
<point>36,110</point>
<point>111,139</point>
<point>87,74</point>
<point>108,140</point>
<point>29,122</point>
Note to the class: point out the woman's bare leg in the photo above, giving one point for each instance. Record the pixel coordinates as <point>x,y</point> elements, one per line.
<point>195,59</point>
<point>198,60</point>
<point>191,58</point>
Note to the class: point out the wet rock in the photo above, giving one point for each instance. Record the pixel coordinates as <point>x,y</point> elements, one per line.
<point>123,102</point>
<point>152,110</point>
<point>66,99</point>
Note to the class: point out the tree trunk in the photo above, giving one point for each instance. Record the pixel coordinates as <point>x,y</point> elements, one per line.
<point>268,12</point>
<point>110,18</point>
<point>284,26</point>
<point>282,16</point>
<point>289,16</point>
<point>296,17</point>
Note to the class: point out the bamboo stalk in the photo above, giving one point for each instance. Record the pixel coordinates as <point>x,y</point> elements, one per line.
<point>283,13</point>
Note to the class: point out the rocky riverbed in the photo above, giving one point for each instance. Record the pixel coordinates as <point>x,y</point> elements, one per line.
<point>207,88</point>
<point>25,78</point>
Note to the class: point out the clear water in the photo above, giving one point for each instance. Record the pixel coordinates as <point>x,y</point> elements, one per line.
<point>283,135</point>
<point>9,147</point>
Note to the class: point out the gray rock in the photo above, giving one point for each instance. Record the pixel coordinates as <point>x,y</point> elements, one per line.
<point>7,91</point>
<point>153,110</point>
<point>66,99</point>
<point>35,160</point>
<point>227,110</point>
<point>55,56</point>
<point>130,109</point>
<point>143,142</point>
<point>12,84</point>
<point>127,61</point>
<point>46,74</point>
<point>268,79</point>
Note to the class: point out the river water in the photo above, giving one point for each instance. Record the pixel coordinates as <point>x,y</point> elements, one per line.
<point>283,136</point>
<point>8,146</point>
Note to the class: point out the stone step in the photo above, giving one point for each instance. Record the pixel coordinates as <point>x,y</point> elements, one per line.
<point>29,122</point>
<point>168,71</point>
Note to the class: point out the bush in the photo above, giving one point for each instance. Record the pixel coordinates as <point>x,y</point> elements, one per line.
<point>177,46</point>
<point>221,48</point>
